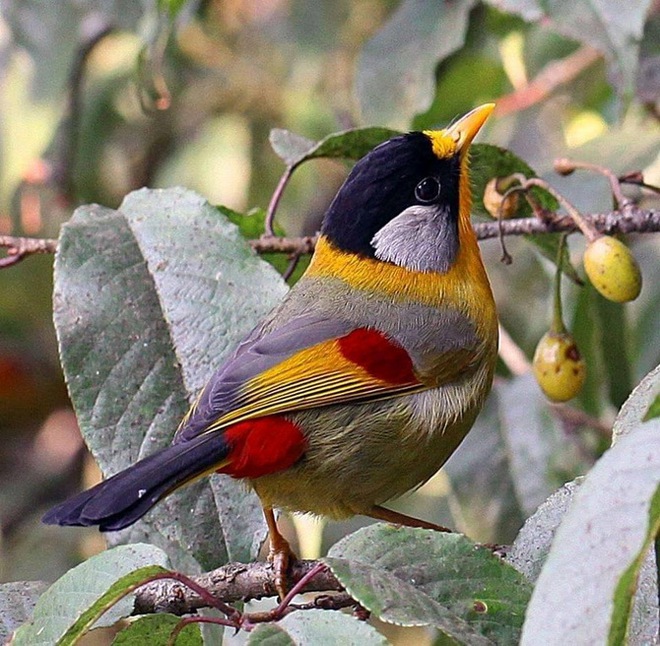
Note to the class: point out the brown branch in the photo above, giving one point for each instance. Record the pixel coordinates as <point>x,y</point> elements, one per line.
<point>232,582</point>
<point>552,76</point>
<point>275,244</point>
<point>634,220</point>
<point>20,248</point>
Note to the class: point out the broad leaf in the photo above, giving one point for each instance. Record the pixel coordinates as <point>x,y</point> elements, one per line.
<point>17,602</point>
<point>75,601</point>
<point>483,492</point>
<point>316,627</point>
<point>149,300</point>
<point>636,407</point>
<point>534,440</point>
<point>613,28</point>
<point>532,545</point>
<point>155,630</point>
<point>584,592</point>
<point>415,577</point>
<point>648,73</point>
<point>396,71</point>
<point>614,345</point>
<point>51,33</point>
<point>353,144</point>
<point>515,456</point>
<point>488,162</point>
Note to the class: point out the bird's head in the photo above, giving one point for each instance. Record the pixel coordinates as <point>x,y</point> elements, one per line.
<point>407,202</point>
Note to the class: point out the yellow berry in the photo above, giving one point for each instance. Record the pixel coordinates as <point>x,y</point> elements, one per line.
<point>612,269</point>
<point>493,199</point>
<point>558,366</point>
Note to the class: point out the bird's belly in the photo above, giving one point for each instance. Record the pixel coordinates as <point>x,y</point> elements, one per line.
<point>364,454</point>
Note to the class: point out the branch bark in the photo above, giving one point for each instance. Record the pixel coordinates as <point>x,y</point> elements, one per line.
<point>230,583</point>
<point>631,220</point>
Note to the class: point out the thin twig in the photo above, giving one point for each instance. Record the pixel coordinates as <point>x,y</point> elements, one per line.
<point>636,178</point>
<point>634,220</point>
<point>20,248</point>
<point>275,200</point>
<point>293,263</point>
<point>512,355</point>
<point>566,166</point>
<point>552,76</point>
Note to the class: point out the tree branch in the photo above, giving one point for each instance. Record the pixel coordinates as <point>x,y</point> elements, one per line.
<point>632,220</point>
<point>233,582</point>
<point>553,75</point>
<point>20,248</point>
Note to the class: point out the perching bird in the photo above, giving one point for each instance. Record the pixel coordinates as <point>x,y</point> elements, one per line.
<point>365,379</point>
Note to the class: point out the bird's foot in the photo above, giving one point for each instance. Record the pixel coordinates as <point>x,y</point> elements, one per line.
<point>280,555</point>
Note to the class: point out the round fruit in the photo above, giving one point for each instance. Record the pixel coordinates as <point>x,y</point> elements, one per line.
<point>495,203</point>
<point>558,366</point>
<point>612,269</point>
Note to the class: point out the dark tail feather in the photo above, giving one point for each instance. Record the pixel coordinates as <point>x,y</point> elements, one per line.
<point>122,499</point>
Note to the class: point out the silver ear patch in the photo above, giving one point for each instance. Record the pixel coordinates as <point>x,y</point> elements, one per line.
<point>420,238</point>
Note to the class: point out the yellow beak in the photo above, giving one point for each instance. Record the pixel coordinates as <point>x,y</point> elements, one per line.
<point>467,127</point>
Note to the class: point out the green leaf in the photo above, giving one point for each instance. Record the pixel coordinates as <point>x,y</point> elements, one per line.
<point>414,577</point>
<point>488,161</point>
<point>290,147</point>
<point>613,28</point>
<point>532,545</point>
<point>614,343</point>
<point>625,589</point>
<point>172,7</point>
<point>155,630</point>
<point>584,592</point>
<point>637,406</point>
<point>586,332</point>
<point>528,9</point>
<point>316,627</point>
<point>353,144</point>
<point>76,601</point>
<point>251,226</point>
<point>533,438</point>
<point>44,31</point>
<point>149,300</point>
<point>17,602</point>
<point>654,409</point>
<point>648,72</point>
<point>483,493</point>
<point>396,70</point>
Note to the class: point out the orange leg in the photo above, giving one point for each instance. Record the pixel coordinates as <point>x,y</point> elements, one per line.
<point>394,517</point>
<point>279,554</point>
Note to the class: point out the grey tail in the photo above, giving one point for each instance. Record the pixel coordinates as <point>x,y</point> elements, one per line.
<point>122,499</point>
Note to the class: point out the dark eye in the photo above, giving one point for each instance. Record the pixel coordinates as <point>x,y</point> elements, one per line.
<point>428,190</point>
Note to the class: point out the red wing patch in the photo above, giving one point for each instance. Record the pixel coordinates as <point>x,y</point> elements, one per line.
<point>380,357</point>
<point>262,445</point>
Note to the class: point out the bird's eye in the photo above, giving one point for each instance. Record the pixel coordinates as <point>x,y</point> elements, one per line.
<point>428,190</point>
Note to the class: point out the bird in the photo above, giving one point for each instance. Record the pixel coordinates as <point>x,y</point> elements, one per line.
<point>363,381</point>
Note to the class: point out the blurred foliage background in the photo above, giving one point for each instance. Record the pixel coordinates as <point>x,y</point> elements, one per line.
<point>99,98</point>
